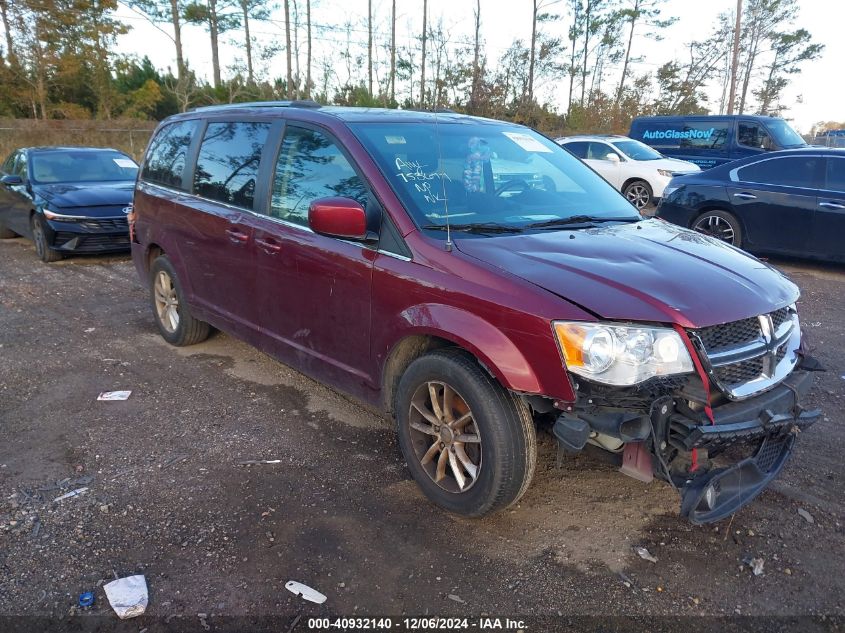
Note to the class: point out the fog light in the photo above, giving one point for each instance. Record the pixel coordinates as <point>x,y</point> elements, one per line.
<point>710,497</point>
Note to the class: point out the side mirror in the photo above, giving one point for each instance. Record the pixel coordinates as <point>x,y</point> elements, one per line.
<point>338,217</point>
<point>12,181</point>
<point>612,157</point>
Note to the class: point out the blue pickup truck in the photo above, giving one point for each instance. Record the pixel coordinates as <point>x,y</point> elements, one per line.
<point>708,140</point>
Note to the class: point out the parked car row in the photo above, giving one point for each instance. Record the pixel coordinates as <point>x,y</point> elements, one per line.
<point>473,280</point>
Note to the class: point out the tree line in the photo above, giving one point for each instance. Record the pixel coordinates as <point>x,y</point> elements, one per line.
<point>580,69</point>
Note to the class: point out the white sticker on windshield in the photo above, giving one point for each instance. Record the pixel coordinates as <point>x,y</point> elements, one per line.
<point>395,140</point>
<point>125,163</point>
<point>526,142</point>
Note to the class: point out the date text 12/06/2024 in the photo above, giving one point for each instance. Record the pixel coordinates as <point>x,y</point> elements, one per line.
<point>428,623</point>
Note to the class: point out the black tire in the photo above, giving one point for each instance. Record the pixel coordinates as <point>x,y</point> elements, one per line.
<point>187,330</point>
<point>6,234</point>
<point>507,451</point>
<point>638,193</point>
<point>720,224</point>
<point>39,237</point>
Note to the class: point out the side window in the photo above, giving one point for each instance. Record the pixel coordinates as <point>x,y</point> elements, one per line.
<point>835,177</point>
<point>795,171</point>
<point>311,166</point>
<point>753,135</point>
<point>599,151</point>
<point>9,164</point>
<point>165,162</point>
<point>578,149</point>
<point>19,167</point>
<point>227,165</point>
<point>704,135</point>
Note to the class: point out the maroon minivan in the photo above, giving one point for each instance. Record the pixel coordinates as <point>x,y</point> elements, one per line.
<point>474,280</point>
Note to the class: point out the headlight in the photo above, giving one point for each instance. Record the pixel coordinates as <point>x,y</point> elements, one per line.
<point>621,355</point>
<point>665,172</point>
<point>60,217</point>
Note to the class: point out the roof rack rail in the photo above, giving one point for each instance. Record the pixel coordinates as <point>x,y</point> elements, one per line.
<point>295,103</point>
<point>433,110</point>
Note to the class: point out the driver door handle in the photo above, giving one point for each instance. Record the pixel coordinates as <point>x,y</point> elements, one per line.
<point>271,247</point>
<point>745,196</point>
<point>832,205</point>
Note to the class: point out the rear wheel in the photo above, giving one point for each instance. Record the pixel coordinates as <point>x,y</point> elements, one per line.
<point>39,236</point>
<point>172,314</point>
<point>719,224</point>
<point>638,193</point>
<point>469,444</point>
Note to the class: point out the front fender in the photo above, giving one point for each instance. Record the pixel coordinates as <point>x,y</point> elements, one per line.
<point>490,345</point>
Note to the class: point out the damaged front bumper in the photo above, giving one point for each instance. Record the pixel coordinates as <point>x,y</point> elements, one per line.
<point>717,466</point>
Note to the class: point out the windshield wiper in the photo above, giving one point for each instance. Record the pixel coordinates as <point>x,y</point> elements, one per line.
<point>577,219</point>
<point>476,227</point>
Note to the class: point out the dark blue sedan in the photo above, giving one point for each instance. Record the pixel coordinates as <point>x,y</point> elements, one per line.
<point>790,202</point>
<point>67,199</point>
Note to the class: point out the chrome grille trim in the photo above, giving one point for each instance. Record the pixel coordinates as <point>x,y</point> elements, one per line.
<point>754,359</point>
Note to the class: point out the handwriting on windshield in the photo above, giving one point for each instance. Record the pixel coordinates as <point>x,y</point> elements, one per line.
<point>415,172</point>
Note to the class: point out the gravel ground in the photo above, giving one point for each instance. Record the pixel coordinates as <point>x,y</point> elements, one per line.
<point>167,496</point>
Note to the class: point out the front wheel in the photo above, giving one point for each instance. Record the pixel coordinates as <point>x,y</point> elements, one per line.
<point>172,314</point>
<point>39,236</point>
<point>721,225</point>
<point>469,444</point>
<point>638,193</point>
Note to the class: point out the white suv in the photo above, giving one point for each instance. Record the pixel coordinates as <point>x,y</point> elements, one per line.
<point>637,170</point>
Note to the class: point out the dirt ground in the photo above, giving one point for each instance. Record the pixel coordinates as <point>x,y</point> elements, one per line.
<point>217,540</point>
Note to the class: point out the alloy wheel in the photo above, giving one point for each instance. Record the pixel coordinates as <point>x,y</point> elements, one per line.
<point>637,194</point>
<point>166,301</point>
<point>715,226</point>
<point>445,436</point>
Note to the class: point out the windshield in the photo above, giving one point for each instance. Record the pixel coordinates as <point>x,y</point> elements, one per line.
<point>784,135</point>
<point>489,177</point>
<point>636,150</point>
<point>82,166</point>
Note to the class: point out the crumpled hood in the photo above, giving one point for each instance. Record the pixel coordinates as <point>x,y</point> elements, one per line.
<point>66,195</point>
<point>644,271</point>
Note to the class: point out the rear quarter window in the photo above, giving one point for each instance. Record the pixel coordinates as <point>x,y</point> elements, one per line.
<point>167,154</point>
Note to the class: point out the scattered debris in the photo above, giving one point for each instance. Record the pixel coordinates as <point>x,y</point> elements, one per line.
<point>627,581</point>
<point>176,458</point>
<point>203,623</point>
<point>756,565</point>
<point>88,330</point>
<point>128,596</point>
<point>806,515</point>
<point>248,462</point>
<point>72,493</point>
<point>110,396</point>
<point>86,599</point>
<point>452,596</point>
<point>305,591</point>
<point>295,622</point>
<point>645,554</point>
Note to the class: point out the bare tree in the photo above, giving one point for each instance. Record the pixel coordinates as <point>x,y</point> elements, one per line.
<point>308,49</point>
<point>422,63</point>
<point>393,53</point>
<point>370,46</point>
<point>289,86</point>
<point>735,56</point>
<point>476,68</point>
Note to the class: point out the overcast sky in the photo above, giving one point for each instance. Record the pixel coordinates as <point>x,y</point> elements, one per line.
<point>816,94</point>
